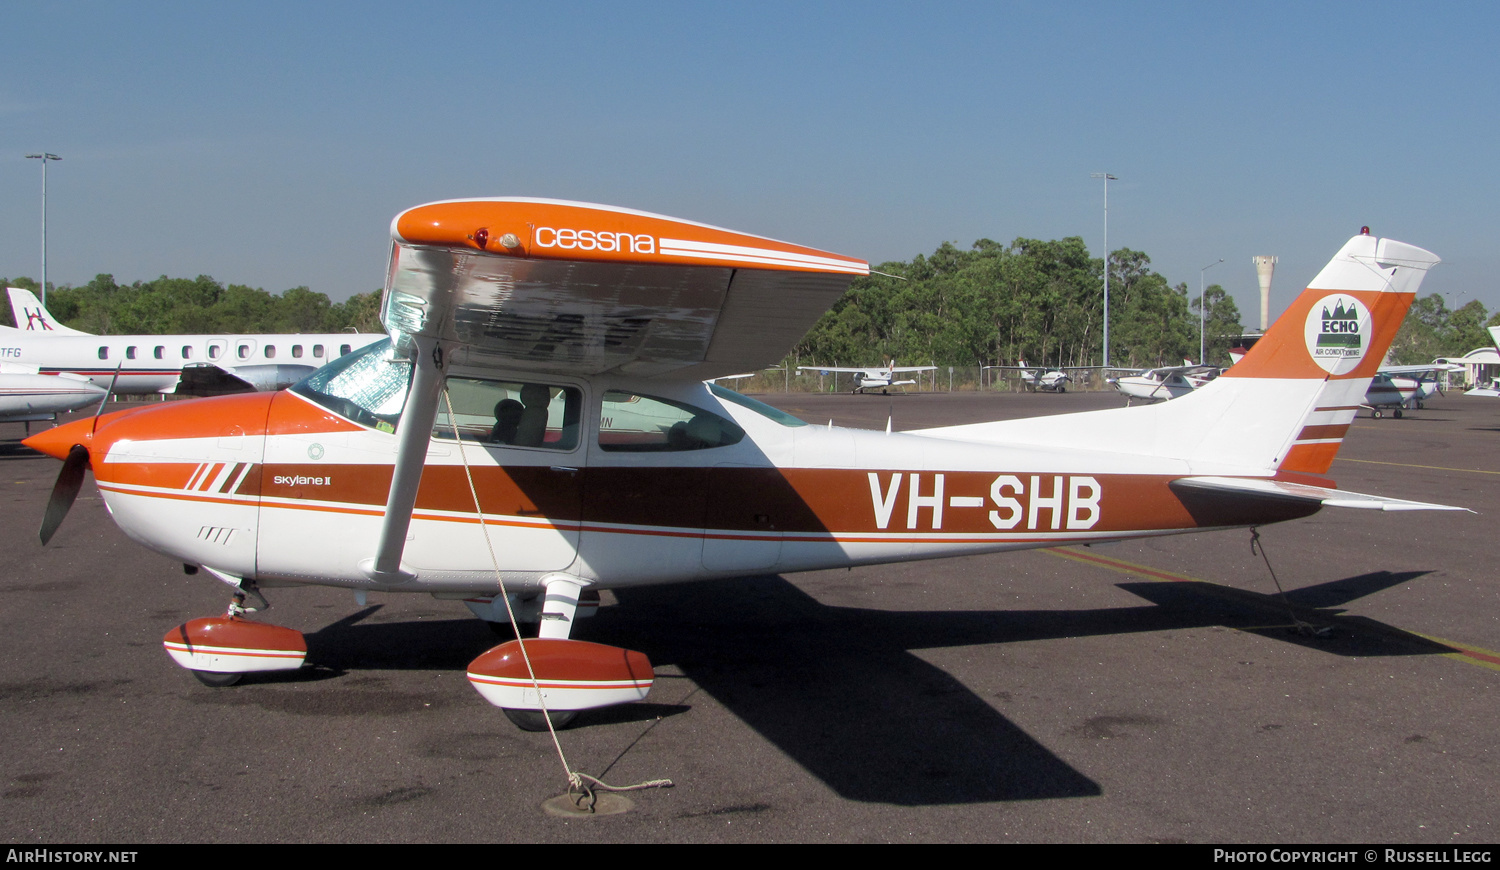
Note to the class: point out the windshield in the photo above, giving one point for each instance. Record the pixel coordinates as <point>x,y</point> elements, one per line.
<point>368,386</point>
<point>758,407</point>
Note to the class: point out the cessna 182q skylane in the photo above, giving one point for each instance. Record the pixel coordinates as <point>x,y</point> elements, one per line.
<point>192,365</point>
<point>552,355</point>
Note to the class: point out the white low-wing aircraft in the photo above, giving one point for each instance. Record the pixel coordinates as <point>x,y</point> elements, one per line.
<point>185,364</point>
<point>1161,384</point>
<point>538,428</point>
<point>873,378</point>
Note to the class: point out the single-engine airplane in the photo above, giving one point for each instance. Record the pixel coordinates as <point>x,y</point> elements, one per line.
<point>873,378</point>
<point>193,365</point>
<point>1162,384</point>
<point>537,428</point>
<point>1038,378</point>
<point>1402,388</point>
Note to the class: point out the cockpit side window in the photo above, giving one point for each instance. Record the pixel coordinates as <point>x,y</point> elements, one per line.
<point>368,387</point>
<point>511,413</point>
<point>645,424</point>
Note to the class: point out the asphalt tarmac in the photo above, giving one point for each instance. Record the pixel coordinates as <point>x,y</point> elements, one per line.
<point>1139,692</point>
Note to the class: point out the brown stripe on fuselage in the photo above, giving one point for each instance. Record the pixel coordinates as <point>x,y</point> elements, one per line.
<point>1312,433</point>
<point>765,501</point>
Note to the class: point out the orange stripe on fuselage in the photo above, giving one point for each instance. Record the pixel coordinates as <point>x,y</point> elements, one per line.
<point>1311,458</point>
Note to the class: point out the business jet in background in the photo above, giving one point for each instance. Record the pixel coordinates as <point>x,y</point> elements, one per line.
<point>194,365</point>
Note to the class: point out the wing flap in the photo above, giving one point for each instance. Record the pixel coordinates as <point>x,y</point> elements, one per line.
<point>1327,496</point>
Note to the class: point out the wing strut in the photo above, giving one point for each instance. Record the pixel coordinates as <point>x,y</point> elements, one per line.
<point>411,456</point>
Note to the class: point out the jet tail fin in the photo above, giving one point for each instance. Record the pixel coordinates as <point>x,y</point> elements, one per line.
<point>32,316</point>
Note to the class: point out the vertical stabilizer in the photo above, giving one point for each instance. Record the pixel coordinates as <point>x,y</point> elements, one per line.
<point>1286,405</point>
<point>1337,332</point>
<point>32,316</point>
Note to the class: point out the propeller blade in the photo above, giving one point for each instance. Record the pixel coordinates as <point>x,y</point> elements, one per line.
<point>107,393</point>
<point>64,491</point>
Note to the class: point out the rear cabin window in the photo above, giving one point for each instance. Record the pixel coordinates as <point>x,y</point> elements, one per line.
<point>270,351</point>
<point>244,351</point>
<point>160,352</point>
<point>296,351</point>
<point>317,351</point>
<point>130,352</point>
<point>187,351</point>
<point>645,424</point>
<point>511,414</point>
<point>104,353</point>
<point>344,349</point>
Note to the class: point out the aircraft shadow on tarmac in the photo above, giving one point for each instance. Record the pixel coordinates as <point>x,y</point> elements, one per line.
<point>838,688</point>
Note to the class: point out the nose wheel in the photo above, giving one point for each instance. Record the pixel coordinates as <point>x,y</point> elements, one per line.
<point>220,650</point>
<point>536,720</point>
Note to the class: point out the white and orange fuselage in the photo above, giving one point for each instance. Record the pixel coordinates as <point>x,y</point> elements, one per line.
<point>301,499</point>
<point>552,354</point>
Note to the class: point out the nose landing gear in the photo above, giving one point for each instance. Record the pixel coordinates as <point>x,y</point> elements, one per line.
<point>219,650</point>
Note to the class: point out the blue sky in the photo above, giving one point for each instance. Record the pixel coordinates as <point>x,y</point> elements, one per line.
<point>270,144</point>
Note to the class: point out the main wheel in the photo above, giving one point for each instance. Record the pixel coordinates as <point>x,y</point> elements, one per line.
<point>217,680</point>
<point>1375,413</point>
<point>535,720</point>
<point>1397,414</point>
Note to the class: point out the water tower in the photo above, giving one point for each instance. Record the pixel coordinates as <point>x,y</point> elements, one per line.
<point>1265,267</point>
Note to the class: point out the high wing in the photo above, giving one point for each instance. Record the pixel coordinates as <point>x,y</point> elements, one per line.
<point>586,289</point>
<point>1166,371</point>
<point>575,288</point>
<point>865,370</point>
<point>883,370</point>
<point>1420,369</point>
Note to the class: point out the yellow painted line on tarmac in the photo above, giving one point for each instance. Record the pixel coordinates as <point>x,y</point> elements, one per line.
<point>1463,652</point>
<point>1414,465</point>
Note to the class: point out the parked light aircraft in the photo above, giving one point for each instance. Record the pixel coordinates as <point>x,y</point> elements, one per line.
<point>1398,387</point>
<point>1161,384</point>
<point>1043,378</point>
<point>184,364</point>
<point>401,468</point>
<point>1404,387</point>
<point>872,378</point>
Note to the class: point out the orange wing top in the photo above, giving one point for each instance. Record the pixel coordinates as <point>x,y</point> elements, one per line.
<point>584,289</point>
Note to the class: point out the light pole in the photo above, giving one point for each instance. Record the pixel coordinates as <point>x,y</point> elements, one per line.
<point>1107,179</point>
<point>1203,311</point>
<point>44,157</point>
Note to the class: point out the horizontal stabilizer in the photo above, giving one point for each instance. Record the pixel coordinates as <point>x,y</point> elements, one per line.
<point>1303,492</point>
